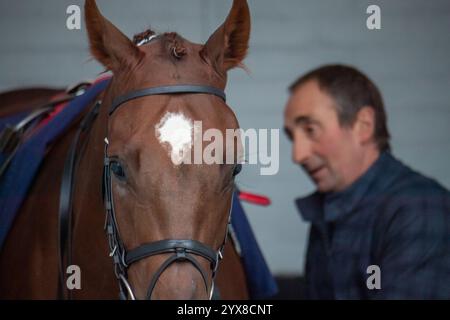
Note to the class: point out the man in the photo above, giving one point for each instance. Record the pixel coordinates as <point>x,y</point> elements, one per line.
<point>379,230</point>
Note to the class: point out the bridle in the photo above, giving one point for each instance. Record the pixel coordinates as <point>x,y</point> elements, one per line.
<point>180,249</point>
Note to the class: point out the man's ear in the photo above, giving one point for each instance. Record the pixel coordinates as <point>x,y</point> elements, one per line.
<point>107,43</point>
<point>364,125</point>
<point>228,45</point>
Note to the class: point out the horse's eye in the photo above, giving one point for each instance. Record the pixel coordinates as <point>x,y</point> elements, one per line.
<point>118,170</point>
<point>237,170</point>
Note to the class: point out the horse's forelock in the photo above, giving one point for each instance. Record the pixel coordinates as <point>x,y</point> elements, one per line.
<point>143,35</point>
<point>173,42</point>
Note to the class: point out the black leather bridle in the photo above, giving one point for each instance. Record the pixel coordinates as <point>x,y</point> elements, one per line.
<point>181,249</point>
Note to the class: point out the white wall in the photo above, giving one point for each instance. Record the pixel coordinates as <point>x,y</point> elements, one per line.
<point>408,59</point>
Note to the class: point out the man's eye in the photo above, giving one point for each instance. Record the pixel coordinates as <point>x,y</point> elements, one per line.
<point>311,131</point>
<point>118,170</point>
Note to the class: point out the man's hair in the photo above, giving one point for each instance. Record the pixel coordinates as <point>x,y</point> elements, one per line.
<point>351,90</point>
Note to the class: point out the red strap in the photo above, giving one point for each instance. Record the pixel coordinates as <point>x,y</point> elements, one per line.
<point>52,114</point>
<point>61,106</point>
<point>254,198</point>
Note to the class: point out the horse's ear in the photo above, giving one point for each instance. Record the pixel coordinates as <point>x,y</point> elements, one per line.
<point>228,45</point>
<point>107,43</point>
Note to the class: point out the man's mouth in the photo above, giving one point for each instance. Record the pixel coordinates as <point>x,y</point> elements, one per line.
<point>315,172</point>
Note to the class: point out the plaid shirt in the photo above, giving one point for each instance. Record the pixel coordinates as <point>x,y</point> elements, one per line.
<point>391,217</point>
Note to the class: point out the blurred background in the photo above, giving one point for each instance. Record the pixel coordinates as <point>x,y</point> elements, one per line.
<point>408,59</point>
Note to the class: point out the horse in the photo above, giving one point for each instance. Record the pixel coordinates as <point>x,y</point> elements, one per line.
<point>172,218</point>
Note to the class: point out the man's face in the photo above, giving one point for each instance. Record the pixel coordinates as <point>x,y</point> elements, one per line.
<point>328,153</point>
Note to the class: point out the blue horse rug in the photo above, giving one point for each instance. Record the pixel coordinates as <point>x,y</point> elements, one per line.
<point>17,180</point>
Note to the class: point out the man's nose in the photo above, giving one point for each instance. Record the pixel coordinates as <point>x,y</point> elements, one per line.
<point>301,150</point>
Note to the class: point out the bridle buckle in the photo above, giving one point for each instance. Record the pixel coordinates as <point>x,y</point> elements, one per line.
<point>181,254</point>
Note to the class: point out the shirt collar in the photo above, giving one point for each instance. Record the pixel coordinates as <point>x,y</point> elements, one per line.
<point>330,207</point>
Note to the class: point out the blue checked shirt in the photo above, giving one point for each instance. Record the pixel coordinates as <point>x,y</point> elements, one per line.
<point>391,217</point>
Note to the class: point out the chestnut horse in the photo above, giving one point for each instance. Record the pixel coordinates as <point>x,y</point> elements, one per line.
<point>154,199</point>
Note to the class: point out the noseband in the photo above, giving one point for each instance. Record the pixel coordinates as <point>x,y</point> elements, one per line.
<point>180,249</point>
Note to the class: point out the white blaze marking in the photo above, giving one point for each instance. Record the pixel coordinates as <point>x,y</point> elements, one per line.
<point>175,130</point>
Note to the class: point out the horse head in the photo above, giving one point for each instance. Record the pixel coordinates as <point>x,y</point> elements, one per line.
<point>168,217</point>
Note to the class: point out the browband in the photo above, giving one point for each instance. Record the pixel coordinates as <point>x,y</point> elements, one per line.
<point>175,89</point>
